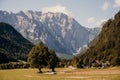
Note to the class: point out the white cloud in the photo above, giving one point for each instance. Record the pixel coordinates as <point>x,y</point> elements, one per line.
<point>91,20</point>
<point>94,22</point>
<point>117,4</point>
<point>105,5</point>
<point>100,22</point>
<point>57,8</point>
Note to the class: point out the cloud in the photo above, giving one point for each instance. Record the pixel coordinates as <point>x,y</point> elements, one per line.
<point>94,22</point>
<point>100,22</point>
<point>57,8</point>
<point>91,20</point>
<point>117,4</point>
<point>105,5</point>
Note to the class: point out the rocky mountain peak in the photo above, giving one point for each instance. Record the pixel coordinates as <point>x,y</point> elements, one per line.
<point>56,30</point>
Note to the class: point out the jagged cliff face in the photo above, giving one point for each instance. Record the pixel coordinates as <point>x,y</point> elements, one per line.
<point>56,30</point>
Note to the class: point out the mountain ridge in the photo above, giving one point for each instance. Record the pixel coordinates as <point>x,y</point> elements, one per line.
<point>56,30</point>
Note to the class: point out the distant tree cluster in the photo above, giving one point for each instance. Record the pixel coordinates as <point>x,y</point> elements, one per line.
<point>40,56</point>
<point>105,48</point>
<point>64,63</point>
<point>14,65</point>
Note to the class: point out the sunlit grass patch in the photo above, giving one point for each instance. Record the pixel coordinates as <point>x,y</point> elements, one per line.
<point>62,74</point>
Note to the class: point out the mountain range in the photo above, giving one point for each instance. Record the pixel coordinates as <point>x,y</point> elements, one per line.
<point>56,30</point>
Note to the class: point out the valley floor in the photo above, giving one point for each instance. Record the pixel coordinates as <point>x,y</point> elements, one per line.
<point>62,74</point>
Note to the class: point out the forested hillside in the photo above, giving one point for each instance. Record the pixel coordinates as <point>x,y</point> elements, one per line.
<point>12,45</point>
<point>106,47</point>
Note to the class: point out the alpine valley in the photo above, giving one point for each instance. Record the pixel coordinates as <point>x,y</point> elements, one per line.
<point>56,30</point>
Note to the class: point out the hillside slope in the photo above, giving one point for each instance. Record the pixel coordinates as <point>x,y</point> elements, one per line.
<point>106,47</point>
<point>12,44</point>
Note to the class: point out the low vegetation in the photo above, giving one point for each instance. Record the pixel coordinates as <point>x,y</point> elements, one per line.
<point>14,65</point>
<point>62,74</point>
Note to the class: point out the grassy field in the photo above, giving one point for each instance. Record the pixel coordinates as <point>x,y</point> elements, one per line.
<point>62,74</point>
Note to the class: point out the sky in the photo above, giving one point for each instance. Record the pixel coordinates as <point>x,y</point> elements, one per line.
<point>89,13</point>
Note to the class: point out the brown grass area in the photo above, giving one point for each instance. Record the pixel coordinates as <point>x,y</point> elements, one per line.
<point>62,74</point>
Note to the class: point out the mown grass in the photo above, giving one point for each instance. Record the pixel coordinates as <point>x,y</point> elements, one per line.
<point>62,74</point>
